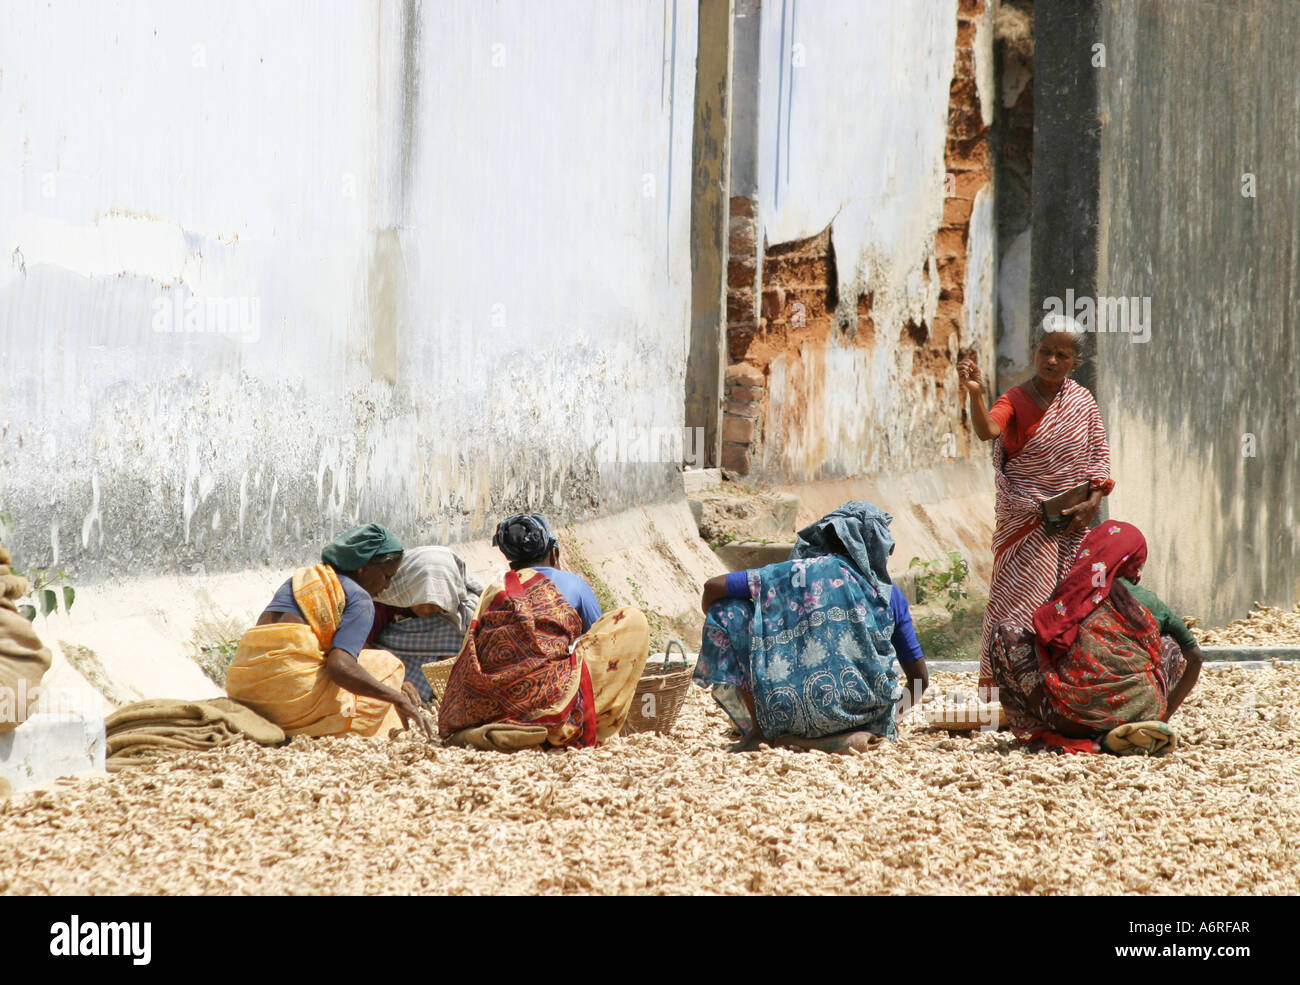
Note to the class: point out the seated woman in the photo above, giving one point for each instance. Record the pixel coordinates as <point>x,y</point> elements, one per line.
<point>540,665</point>
<point>423,613</point>
<point>801,653</point>
<point>303,665</point>
<point>1106,660</point>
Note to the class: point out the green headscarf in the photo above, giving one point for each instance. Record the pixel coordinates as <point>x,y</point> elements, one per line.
<point>351,551</point>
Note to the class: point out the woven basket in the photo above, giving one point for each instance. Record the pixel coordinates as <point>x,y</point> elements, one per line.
<point>659,695</point>
<point>436,674</point>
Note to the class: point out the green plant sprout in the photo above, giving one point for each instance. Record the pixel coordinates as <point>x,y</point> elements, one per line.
<point>942,577</point>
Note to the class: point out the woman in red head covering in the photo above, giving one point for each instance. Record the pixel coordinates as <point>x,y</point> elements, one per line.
<point>1105,660</point>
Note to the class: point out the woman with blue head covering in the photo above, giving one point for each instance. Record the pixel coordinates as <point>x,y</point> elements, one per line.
<point>304,665</point>
<point>540,664</point>
<point>802,653</point>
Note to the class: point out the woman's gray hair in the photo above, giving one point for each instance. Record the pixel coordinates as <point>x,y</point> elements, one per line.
<point>1055,324</point>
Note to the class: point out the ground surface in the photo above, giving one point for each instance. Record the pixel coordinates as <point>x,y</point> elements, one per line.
<point>1264,625</point>
<point>934,813</point>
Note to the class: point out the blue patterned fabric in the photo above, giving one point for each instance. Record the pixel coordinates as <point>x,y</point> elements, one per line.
<point>418,641</point>
<point>857,531</point>
<point>812,645</point>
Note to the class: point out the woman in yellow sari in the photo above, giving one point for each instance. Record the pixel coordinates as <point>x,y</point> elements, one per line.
<point>540,665</point>
<point>303,666</point>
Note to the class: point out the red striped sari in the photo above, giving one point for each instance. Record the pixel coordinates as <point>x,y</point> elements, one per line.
<point>1068,447</point>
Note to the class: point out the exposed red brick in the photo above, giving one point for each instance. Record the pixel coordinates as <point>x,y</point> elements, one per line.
<point>914,332</point>
<point>949,314</point>
<point>741,273</point>
<point>739,340</point>
<point>970,155</point>
<point>950,242</point>
<point>741,237</point>
<point>748,409</point>
<point>814,306</point>
<point>742,393</point>
<point>956,211</point>
<point>773,302</point>
<point>743,374</point>
<point>740,309</point>
<point>952,274</point>
<point>735,458</point>
<point>742,207</point>
<point>967,183</point>
<point>866,320</point>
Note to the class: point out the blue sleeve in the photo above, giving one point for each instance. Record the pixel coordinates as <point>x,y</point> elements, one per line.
<point>588,608</point>
<point>737,585</point>
<point>904,639</point>
<point>283,600</point>
<point>358,617</point>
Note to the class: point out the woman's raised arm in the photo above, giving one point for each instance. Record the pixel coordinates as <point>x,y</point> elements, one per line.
<point>968,371</point>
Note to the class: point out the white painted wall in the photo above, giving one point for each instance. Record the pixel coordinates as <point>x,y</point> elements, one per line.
<point>853,118</point>
<point>461,237</point>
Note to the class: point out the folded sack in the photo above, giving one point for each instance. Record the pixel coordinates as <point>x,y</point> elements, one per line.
<point>163,725</point>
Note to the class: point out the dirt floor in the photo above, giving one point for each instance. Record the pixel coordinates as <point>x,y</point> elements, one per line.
<point>933,813</point>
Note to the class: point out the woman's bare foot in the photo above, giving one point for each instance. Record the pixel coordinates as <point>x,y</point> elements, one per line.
<point>843,743</point>
<point>749,743</point>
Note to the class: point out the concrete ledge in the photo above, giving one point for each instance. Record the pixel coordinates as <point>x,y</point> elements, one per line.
<point>745,554</point>
<point>949,507</point>
<point>696,481</point>
<point>1240,653</point>
<point>46,747</point>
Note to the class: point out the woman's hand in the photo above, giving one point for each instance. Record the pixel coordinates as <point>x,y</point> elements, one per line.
<point>409,710</point>
<point>968,372</point>
<point>1081,515</point>
<point>972,384</point>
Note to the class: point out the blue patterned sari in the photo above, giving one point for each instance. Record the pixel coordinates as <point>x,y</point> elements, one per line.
<point>812,644</point>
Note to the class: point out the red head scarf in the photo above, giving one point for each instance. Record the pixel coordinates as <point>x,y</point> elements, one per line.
<point>1113,550</point>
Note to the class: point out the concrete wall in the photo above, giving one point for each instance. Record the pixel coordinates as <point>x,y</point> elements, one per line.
<point>1203,418</point>
<point>853,131</point>
<point>459,233</point>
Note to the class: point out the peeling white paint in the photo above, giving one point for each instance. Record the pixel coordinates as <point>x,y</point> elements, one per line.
<point>460,281</point>
<point>983,57</point>
<point>857,132</point>
<point>856,135</point>
<point>110,244</point>
<point>978,291</point>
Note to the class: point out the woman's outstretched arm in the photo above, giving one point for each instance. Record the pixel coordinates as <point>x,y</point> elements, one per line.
<point>986,429</point>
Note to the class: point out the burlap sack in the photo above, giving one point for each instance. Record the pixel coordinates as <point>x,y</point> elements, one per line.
<point>23,662</point>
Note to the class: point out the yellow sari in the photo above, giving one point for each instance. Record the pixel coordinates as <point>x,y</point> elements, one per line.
<point>279,669</point>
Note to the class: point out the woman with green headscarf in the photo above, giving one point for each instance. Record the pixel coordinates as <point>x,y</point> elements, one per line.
<point>304,666</point>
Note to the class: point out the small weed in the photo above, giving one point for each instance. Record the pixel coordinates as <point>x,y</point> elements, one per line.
<point>942,578</point>
<point>214,659</point>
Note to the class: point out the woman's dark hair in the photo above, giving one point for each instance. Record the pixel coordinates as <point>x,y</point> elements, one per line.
<point>525,538</point>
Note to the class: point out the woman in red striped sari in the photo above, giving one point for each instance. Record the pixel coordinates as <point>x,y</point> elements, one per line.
<point>1048,439</point>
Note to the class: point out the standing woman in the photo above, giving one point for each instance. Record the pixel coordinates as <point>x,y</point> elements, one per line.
<point>1048,439</point>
